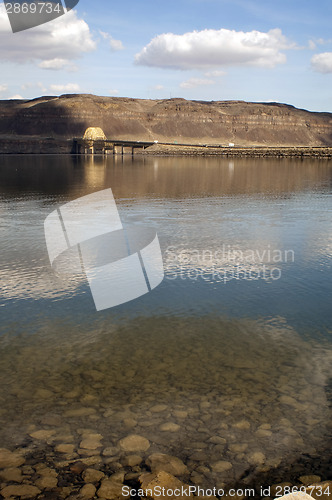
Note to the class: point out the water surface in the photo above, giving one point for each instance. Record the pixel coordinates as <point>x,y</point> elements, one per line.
<point>228,360</point>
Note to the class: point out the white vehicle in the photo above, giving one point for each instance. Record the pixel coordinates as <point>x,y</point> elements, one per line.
<point>231,144</point>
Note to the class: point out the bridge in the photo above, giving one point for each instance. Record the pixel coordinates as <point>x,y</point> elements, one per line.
<point>95,141</point>
<point>84,146</point>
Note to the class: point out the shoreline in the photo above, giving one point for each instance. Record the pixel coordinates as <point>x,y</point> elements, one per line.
<point>241,152</point>
<point>48,145</point>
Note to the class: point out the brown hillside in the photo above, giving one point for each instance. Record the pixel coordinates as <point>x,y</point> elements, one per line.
<point>216,122</point>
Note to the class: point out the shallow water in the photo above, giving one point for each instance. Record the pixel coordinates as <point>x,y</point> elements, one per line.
<point>228,360</point>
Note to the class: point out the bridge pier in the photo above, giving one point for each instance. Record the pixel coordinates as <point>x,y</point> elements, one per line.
<point>105,147</point>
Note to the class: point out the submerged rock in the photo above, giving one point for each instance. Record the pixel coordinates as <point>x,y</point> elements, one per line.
<point>42,434</point>
<point>68,449</point>
<point>91,441</point>
<point>169,427</point>
<point>256,458</point>
<point>88,491</point>
<point>161,462</point>
<point>158,408</point>
<point>111,490</point>
<point>92,475</point>
<point>12,475</point>
<point>153,483</point>
<point>21,491</point>
<point>221,466</point>
<point>132,460</point>
<point>310,479</point>
<point>134,442</point>
<point>10,459</point>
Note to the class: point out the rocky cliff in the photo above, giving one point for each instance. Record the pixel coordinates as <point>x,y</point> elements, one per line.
<point>196,122</point>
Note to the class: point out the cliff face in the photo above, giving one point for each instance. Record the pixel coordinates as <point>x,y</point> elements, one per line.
<point>218,122</point>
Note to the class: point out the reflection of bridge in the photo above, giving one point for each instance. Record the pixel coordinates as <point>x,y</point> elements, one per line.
<point>104,146</point>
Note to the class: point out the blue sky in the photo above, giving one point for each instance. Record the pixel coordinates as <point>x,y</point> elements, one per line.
<point>257,50</point>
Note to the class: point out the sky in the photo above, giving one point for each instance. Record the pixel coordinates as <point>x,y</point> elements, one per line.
<point>211,50</point>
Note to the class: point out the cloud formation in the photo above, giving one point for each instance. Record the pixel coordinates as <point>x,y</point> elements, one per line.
<point>64,39</point>
<point>68,87</point>
<point>114,44</point>
<point>215,48</point>
<point>322,63</point>
<point>58,63</point>
<point>195,82</point>
<point>32,85</point>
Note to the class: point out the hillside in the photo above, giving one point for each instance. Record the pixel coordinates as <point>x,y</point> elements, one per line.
<point>216,122</point>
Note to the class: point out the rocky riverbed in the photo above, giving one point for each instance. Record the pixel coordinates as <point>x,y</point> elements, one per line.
<point>211,402</point>
<point>125,475</point>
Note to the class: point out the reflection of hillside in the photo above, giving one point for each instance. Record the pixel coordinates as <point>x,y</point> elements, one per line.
<point>196,177</point>
<point>162,177</point>
<point>34,175</point>
<point>178,177</point>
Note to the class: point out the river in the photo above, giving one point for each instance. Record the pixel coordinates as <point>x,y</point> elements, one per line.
<point>225,365</point>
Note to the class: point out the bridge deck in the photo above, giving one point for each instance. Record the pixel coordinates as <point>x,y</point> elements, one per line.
<point>92,146</point>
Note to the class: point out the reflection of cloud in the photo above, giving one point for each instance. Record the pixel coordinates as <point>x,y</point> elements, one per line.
<point>211,48</point>
<point>16,284</point>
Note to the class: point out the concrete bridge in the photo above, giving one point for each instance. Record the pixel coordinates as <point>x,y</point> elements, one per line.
<point>83,146</point>
<point>94,141</point>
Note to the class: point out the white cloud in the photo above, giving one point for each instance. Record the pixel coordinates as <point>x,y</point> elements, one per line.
<point>115,45</point>
<point>16,96</point>
<point>322,63</point>
<point>3,88</point>
<point>312,45</point>
<point>57,64</point>
<point>65,36</point>
<point>213,48</point>
<point>158,87</point>
<point>321,41</point>
<point>68,87</point>
<point>215,73</point>
<point>113,91</point>
<point>31,85</point>
<point>195,82</point>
